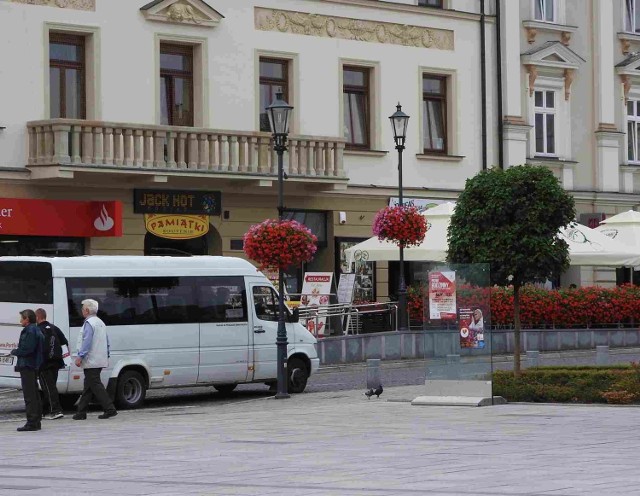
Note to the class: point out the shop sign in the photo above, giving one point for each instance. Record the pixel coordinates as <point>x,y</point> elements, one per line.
<point>77,219</point>
<point>421,204</point>
<point>177,226</point>
<point>154,201</point>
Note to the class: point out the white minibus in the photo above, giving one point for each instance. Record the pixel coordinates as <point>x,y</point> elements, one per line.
<point>171,321</point>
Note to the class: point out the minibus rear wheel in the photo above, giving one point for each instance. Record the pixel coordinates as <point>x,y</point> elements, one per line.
<point>298,375</point>
<point>131,390</point>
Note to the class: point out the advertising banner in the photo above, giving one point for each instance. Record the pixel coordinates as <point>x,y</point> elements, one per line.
<point>442,295</point>
<point>471,325</point>
<point>80,219</point>
<point>316,290</point>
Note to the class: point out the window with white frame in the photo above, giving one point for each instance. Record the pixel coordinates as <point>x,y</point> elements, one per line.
<point>633,131</point>
<point>632,16</point>
<point>545,122</point>
<point>544,10</point>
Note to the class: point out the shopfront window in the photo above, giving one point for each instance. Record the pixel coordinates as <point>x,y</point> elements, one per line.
<point>13,246</point>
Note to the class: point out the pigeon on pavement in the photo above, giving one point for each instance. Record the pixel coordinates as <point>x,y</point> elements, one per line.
<point>369,393</point>
<point>378,391</point>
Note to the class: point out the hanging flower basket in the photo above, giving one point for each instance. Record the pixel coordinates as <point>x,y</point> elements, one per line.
<point>278,244</point>
<point>401,225</point>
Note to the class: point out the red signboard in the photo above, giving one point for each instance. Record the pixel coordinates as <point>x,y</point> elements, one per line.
<point>82,219</point>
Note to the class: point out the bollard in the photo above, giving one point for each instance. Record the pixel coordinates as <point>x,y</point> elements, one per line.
<point>373,373</point>
<point>533,358</point>
<point>602,355</point>
<point>452,370</point>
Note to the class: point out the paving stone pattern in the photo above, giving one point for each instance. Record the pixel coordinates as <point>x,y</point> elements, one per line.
<point>330,443</point>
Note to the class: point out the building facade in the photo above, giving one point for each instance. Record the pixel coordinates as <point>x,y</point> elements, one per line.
<point>149,118</point>
<point>140,128</point>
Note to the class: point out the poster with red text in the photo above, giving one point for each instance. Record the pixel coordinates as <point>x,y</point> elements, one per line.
<point>316,290</point>
<point>442,295</point>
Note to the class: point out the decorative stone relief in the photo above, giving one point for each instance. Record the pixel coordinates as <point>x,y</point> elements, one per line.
<point>531,34</point>
<point>345,28</point>
<point>193,12</point>
<point>568,80</point>
<point>626,86</point>
<point>63,4</point>
<point>565,38</point>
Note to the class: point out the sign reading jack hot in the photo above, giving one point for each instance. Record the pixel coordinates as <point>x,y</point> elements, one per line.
<point>82,219</point>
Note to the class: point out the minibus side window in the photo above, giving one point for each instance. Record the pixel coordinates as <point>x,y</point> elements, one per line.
<point>26,282</point>
<point>134,300</point>
<point>265,301</point>
<point>222,299</point>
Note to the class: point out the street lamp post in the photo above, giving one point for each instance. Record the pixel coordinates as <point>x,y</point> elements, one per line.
<point>399,122</point>
<point>278,113</point>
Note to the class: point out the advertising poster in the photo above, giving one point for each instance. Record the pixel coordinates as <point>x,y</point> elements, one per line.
<point>316,290</point>
<point>471,325</point>
<point>442,295</point>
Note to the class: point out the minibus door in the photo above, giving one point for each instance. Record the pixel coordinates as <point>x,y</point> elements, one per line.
<point>264,314</point>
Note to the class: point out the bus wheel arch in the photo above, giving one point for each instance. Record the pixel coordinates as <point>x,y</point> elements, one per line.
<point>130,387</point>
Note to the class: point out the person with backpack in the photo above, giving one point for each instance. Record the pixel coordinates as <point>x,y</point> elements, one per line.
<point>54,339</point>
<point>30,356</point>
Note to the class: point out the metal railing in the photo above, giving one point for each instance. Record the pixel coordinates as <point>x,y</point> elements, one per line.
<point>349,313</point>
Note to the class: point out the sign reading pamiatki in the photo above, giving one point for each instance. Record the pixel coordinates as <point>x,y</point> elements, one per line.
<point>442,295</point>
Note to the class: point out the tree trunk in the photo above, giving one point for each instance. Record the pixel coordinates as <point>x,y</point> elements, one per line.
<point>516,330</point>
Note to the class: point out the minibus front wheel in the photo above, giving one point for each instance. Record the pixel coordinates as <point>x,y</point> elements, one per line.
<point>298,375</point>
<point>131,390</point>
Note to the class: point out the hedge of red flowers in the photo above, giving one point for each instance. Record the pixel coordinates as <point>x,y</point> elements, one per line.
<point>278,244</point>
<point>400,224</point>
<point>541,308</point>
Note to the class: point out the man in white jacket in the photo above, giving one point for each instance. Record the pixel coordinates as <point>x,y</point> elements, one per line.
<point>93,355</point>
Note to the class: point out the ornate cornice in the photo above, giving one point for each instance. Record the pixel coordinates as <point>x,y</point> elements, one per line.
<point>63,4</point>
<point>285,21</point>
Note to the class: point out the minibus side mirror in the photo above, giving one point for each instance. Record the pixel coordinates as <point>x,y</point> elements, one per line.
<point>295,315</point>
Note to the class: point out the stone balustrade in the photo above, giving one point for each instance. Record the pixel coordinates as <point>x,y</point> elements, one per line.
<point>109,144</point>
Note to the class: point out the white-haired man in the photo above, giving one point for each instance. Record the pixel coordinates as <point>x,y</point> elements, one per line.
<point>93,356</point>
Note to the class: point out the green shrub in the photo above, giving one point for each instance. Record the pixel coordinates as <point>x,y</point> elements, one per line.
<point>616,384</point>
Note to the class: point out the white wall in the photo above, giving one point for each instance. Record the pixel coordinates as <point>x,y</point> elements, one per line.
<point>128,80</point>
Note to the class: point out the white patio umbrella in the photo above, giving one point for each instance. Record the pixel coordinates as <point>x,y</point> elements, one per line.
<point>586,246</point>
<point>624,227</point>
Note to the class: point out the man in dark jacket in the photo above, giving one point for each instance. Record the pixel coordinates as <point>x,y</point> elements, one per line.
<point>29,353</point>
<point>54,339</point>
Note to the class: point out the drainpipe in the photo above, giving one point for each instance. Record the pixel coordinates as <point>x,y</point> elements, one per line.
<point>499,76</point>
<point>483,85</point>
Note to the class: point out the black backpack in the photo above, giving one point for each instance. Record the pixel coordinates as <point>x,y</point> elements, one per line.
<point>52,346</point>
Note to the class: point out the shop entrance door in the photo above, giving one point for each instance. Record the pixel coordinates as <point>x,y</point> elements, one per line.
<point>155,245</point>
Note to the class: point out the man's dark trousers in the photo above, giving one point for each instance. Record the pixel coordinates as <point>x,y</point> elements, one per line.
<point>48,380</point>
<point>93,388</point>
<point>29,381</point>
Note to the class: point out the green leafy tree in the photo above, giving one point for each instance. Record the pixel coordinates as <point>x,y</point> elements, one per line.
<point>510,220</point>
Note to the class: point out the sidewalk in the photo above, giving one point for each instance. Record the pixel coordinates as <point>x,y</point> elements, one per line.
<point>336,443</point>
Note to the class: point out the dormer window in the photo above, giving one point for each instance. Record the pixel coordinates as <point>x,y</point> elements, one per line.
<point>632,16</point>
<point>544,10</point>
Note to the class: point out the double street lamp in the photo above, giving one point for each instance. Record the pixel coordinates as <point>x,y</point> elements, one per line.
<point>279,112</point>
<point>399,122</point>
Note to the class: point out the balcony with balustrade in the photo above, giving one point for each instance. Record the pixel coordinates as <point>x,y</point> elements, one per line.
<point>64,148</point>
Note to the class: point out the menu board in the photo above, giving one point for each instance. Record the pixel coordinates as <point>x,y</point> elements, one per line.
<point>316,290</point>
<point>345,288</point>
